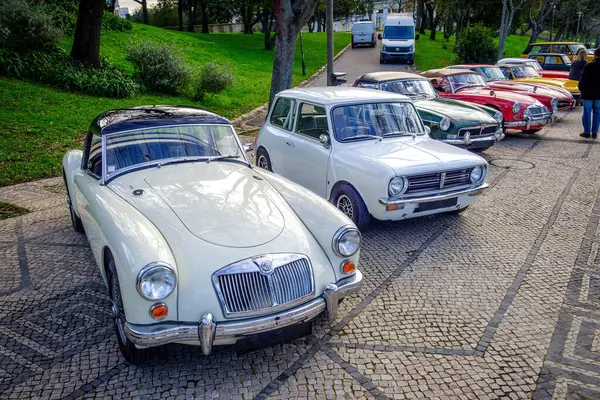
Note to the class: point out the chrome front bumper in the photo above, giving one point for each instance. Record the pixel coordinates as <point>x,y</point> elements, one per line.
<point>466,192</point>
<point>540,120</point>
<point>207,330</point>
<point>499,135</point>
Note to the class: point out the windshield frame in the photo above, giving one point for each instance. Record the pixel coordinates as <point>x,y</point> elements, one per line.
<point>377,137</point>
<point>524,67</point>
<point>454,90</point>
<point>481,69</point>
<point>105,179</point>
<point>433,95</point>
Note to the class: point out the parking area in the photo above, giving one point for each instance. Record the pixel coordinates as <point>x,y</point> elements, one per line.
<point>501,301</point>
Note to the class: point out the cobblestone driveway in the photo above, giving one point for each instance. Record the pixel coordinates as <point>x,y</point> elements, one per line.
<point>502,301</point>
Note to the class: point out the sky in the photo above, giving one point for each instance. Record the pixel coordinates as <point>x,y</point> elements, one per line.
<point>132,5</point>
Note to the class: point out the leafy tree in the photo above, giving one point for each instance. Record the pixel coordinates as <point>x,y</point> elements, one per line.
<point>476,45</point>
<point>86,44</point>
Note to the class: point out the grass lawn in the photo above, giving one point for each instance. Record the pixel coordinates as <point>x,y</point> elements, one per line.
<point>38,124</point>
<point>430,54</point>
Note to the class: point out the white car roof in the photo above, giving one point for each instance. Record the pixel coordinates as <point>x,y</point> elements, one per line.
<point>514,61</point>
<point>330,95</point>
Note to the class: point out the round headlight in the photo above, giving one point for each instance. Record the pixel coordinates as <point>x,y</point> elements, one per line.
<point>477,174</point>
<point>397,186</point>
<point>383,48</point>
<point>346,242</point>
<point>498,117</point>
<point>410,48</point>
<point>445,124</point>
<point>516,108</point>
<point>554,104</point>
<point>156,281</point>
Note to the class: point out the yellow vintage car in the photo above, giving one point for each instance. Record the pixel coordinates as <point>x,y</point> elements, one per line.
<point>568,48</point>
<point>525,73</point>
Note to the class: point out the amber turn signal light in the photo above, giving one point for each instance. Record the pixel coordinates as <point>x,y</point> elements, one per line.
<point>391,207</point>
<point>348,267</point>
<point>159,311</point>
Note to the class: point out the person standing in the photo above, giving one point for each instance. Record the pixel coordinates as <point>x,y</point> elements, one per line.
<point>578,64</point>
<point>589,85</point>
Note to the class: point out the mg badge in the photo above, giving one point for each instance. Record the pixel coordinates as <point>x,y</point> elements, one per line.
<point>467,138</point>
<point>397,49</point>
<point>266,268</point>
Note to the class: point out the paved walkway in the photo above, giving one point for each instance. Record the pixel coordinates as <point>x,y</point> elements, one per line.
<point>501,301</point>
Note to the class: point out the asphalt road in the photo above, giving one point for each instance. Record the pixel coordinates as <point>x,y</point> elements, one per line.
<point>359,61</point>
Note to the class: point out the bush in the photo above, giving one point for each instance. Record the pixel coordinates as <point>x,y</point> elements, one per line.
<point>160,67</point>
<point>476,46</point>
<point>24,28</point>
<point>111,22</point>
<point>57,68</point>
<point>214,79</point>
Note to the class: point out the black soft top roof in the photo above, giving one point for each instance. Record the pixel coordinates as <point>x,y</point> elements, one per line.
<point>144,117</point>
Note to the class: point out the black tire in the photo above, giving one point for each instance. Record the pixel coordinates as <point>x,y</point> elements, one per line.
<point>353,46</point>
<point>131,353</point>
<point>348,201</point>
<point>75,220</point>
<point>531,131</point>
<point>410,62</point>
<point>263,160</point>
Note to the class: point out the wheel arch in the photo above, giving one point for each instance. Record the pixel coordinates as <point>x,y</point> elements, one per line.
<point>107,256</point>
<point>264,148</point>
<point>344,182</point>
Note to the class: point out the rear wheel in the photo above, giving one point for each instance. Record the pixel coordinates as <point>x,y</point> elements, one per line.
<point>262,159</point>
<point>348,201</point>
<point>131,353</point>
<point>75,220</point>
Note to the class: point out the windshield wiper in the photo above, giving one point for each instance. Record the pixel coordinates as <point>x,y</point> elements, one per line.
<point>222,157</point>
<point>396,133</point>
<point>361,137</point>
<point>178,160</point>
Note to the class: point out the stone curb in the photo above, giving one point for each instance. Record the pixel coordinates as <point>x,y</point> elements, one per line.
<point>240,122</point>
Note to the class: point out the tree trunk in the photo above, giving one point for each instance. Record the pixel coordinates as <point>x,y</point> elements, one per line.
<point>267,28</point>
<point>505,24</point>
<point>145,12</point>
<point>432,20</point>
<point>420,14</point>
<point>247,13</point>
<point>191,15</point>
<point>86,45</point>
<point>204,9</point>
<point>180,14</point>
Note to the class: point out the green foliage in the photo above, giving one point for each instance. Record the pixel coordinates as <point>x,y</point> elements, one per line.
<point>8,210</point>
<point>160,67</point>
<point>476,45</point>
<point>214,79</point>
<point>24,27</point>
<point>111,22</point>
<point>57,68</point>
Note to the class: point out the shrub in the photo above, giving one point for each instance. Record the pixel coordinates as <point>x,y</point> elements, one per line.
<point>24,28</point>
<point>111,22</point>
<point>57,68</point>
<point>214,78</point>
<point>476,45</point>
<point>160,67</point>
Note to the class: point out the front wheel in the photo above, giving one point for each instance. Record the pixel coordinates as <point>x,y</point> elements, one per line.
<point>75,220</point>
<point>131,353</point>
<point>348,201</point>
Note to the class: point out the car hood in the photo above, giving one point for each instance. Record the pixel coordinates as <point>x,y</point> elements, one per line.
<point>500,95</point>
<point>457,110</point>
<point>528,88</point>
<point>421,155</point>
<point>544,81</point>
<point>223,203</point>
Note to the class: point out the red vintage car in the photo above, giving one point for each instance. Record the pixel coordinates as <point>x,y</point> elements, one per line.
<point>545,94</point>
<point>520,111</point>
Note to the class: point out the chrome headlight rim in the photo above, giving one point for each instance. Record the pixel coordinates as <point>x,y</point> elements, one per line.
<point>516,107</point>
<point>341,233</point>
<point>147,272</point>
<point>499,117</point>
<point>400,192</point>
<point>445,124</point>
<point>481,178</point>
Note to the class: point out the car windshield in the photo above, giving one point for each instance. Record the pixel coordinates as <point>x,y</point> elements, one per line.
<point>524,71</point>
<point>399,32</point>
<point>491,74</point>
<point>534,64</point>
<point>462,81</point>
<point>576,47</point>
<point>376,120</point>
<point>416,88</point>
<point>168,144</point>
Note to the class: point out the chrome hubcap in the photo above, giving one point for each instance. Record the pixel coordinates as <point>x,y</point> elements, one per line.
<point>262,162</point>
<point>117,311</point>
<point>345,205</point>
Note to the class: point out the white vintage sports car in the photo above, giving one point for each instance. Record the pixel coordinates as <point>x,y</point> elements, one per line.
<point>368,153</point>
<point>195,245</point>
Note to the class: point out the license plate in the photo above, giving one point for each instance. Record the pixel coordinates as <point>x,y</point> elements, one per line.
<point>434,205</point>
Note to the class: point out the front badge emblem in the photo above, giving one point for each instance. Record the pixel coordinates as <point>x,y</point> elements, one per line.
<point>266,268</point>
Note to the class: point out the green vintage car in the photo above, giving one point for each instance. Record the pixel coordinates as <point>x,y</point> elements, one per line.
<point>463,124</point>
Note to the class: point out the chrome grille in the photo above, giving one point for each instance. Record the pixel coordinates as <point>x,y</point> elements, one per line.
<point>477,131</point>
<point>438,181</point>
<point>397,49</point>
<point>244,289</point>
<point>533,110</point>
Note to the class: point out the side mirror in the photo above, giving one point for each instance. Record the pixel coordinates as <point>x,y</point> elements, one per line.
<point>379,36</point>
<point>324,140</point>
<point>428,131</point>
<point>417,37</point>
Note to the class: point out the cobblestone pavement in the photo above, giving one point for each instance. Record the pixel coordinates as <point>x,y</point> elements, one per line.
<point>501,301</point>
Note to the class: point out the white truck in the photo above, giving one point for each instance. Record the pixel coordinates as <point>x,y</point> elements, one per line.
<point>398,39</point>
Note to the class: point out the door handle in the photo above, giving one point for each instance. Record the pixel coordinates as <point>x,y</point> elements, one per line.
<point>291,144</point>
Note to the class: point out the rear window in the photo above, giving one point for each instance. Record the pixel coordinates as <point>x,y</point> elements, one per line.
<point>362,28</point>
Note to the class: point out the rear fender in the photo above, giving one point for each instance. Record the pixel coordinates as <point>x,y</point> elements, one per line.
<point>72,163</point>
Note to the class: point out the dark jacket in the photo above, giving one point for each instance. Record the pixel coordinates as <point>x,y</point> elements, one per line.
<point>589,83</point>
<point>577,69</point>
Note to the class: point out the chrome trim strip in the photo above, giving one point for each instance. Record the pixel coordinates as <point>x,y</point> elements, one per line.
<point>470,191</point>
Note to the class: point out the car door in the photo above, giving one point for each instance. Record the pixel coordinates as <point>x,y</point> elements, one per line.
<point>308,161</point>
<point>278,140</point>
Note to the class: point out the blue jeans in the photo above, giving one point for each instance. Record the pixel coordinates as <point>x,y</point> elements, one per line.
<point>591,116</point>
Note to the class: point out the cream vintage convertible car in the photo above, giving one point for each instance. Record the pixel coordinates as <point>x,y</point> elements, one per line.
<point>195,245</point>
<point>368,153</point>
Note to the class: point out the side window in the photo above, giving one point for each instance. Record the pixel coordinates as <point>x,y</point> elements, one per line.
<point>312,121</point>
<point>283,113</point>
<point>93,148</point>
<point>556,60</point>
<point>548,60</point>
<point>506,72</point>
<point>561,48</point>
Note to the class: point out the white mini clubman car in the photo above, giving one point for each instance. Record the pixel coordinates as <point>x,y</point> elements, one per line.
<point>368,153</point>
<point>195,245</point>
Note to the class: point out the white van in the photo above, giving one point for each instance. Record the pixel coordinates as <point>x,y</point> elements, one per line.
<point>398,39</point>
<point>363,32</point>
